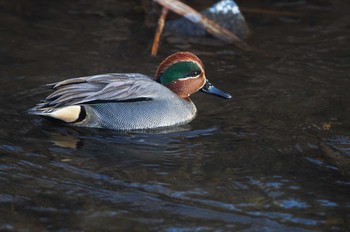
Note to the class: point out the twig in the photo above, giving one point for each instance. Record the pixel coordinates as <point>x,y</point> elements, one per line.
<point>210,26</point>
<point>159,31</point>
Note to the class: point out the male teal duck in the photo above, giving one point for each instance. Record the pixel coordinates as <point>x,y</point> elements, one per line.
<point>130,101</point>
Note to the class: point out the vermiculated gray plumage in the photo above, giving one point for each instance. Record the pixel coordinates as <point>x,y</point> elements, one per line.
<point>119,101</point>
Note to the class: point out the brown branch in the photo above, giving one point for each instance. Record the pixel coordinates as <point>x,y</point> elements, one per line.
<point>210,26</point>
<point>159,31</point>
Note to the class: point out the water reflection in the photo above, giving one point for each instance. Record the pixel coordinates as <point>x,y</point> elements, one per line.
<point>112,176</point>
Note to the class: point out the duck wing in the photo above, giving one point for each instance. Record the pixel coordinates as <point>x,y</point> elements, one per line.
<point>115,87</point>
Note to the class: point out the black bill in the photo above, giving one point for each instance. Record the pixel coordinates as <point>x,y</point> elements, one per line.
<point>211,89</point>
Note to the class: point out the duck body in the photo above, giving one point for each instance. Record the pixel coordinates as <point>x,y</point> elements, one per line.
<point>139,115</point>
<point>128,101</point>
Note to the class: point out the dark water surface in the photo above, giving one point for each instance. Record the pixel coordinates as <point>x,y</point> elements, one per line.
<point>274,158</point>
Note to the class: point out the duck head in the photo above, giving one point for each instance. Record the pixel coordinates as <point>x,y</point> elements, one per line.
<point>183,73</point>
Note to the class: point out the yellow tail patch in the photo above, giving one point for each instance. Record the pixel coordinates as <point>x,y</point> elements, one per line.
<point>67,114</point>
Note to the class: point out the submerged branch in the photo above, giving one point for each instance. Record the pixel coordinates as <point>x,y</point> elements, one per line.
<point>210,26</point>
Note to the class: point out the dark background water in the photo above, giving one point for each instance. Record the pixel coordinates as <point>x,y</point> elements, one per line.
<point>274,158</point>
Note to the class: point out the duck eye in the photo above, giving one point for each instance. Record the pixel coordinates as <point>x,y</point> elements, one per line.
<point>194,73</point>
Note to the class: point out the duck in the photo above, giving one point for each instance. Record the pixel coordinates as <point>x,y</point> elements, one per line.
<point>130,101</point>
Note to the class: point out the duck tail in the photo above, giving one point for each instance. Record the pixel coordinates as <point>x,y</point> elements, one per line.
<point>67,114</point>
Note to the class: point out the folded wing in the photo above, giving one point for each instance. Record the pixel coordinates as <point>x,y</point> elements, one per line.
<point>116,87</point>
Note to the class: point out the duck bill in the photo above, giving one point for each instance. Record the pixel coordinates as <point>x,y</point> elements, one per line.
<point>211,89</point>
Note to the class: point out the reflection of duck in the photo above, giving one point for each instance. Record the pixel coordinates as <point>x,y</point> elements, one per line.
<point>131,146</point>
<point>130,100</point>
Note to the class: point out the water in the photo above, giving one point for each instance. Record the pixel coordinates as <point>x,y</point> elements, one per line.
<point>264,161</point>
